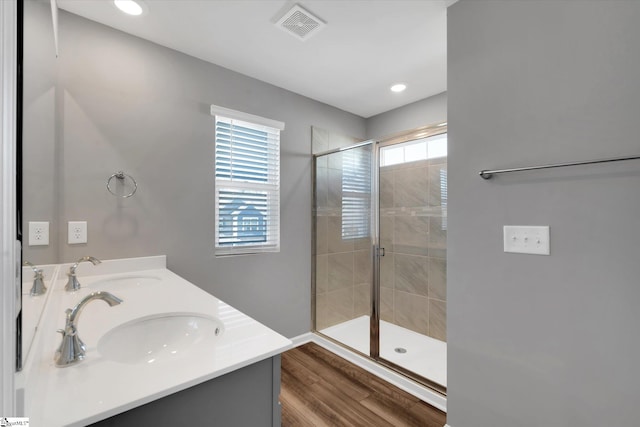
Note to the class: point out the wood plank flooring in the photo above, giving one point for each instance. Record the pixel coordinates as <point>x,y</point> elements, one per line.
<point>322,389</point>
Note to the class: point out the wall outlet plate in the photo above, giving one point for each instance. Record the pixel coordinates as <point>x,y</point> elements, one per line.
<point>77,232</point>
<point>38,233</point>
<point>526,239</point>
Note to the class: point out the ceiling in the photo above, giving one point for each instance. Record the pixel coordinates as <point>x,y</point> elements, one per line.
<point>366,46</point>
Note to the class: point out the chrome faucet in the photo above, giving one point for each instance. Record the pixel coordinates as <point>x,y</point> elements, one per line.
<point>72,350</point>
<point>38,287</point>
<point>73,284</point>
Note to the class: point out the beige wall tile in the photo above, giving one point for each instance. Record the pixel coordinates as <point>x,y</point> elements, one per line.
<point>386,232</point>
<point>335,161</point>
<point>363,267</point>
<point>438,278</point>
<point>322,161</point>
<point>411,312</point>
<point>411,274</point>
<point>436,172</point>
<point>438,319</point>
<point>362,300</point>
<point>321,312</point>
<point>334,183</point>
<point>386,188</point>
<point>387,270</point>
<point>340,271</point>
<point>386,304</point>
<point>322,188</point>
<point>411,187</point>
<point>322,227</point>
<point>411,235</point>
<point>321,273</point>
<point>335,242</point>
<point>437,238</point>
<point>362,243</point>
<point>339,306</point>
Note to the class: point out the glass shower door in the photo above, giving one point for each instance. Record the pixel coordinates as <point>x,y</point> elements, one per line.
<point>412,209</point>
<point>343,245</point>
<point>391,306</point>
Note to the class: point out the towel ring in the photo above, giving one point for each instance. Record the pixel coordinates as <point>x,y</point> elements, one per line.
<point>121,176</point>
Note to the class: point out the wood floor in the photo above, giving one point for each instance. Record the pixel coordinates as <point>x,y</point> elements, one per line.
<point>322,389</point>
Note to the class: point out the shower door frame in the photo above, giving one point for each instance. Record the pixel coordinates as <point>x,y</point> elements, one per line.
<point>374,329</point>
<point>314,209</point>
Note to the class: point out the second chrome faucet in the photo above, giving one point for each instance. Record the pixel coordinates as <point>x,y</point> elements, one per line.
<point>72,350</point>
<point>72,283</point>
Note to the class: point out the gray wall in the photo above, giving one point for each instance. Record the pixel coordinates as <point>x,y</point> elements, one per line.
<point>544,340</point>
<point>425,112</point>
<point>122,103</point>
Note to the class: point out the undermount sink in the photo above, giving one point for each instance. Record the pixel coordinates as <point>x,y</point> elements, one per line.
<point>129,282</point>
<point>159,338</point>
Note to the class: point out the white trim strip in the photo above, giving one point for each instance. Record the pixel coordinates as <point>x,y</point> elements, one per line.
<point>216,110</point>
<point>10,253</point>
<point>302,339</point>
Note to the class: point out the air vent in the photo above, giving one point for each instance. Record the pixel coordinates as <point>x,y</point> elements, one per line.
<point>300,23</point>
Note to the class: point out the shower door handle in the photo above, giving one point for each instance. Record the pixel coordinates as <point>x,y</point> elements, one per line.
<point>380,252</point>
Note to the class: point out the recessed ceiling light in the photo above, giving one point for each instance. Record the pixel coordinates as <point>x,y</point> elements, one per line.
<point>130,7</point>
<point>398,87</point>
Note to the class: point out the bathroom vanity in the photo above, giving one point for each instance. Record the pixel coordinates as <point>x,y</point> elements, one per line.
<point>169,354</point>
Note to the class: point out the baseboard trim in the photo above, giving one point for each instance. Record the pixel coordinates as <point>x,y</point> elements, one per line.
<point>423,393</point>
<point>302,339</point>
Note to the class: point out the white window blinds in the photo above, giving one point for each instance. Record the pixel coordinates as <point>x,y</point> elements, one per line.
<point>247,180</point>
<point>356,192</point>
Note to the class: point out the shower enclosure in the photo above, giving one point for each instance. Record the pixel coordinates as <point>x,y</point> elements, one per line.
<point>379,261</point>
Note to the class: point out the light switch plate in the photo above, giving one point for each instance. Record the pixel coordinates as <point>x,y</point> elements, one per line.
<point>77,232</point>
<point>38,233</point>
<point>526,239</point>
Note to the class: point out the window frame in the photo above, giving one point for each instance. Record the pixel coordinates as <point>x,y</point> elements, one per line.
<point>270,187</point>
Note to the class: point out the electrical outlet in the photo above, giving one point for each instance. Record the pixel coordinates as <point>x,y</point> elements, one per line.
<point>77,232</point>
<point>38,233</point>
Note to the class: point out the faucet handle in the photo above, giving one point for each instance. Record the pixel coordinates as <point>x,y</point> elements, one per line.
<point>72,283</point>
<point>38,287</point>
<point>33,267</point>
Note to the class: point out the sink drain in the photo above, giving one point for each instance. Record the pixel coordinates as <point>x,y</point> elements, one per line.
<point>400,350</point>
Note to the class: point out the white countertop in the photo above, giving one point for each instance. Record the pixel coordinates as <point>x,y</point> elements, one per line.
<point>98,388</point>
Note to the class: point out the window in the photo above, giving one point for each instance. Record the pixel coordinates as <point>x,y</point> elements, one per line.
<point>247,181</point>
<point>443,197</point>
<point>356,192</point>
<point>422,149</point>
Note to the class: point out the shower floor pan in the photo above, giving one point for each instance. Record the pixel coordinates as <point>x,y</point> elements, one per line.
<point>418,353</point>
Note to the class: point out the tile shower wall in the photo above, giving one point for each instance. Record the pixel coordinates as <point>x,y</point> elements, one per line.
<point>343,265</point>
<point>413,230</point>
